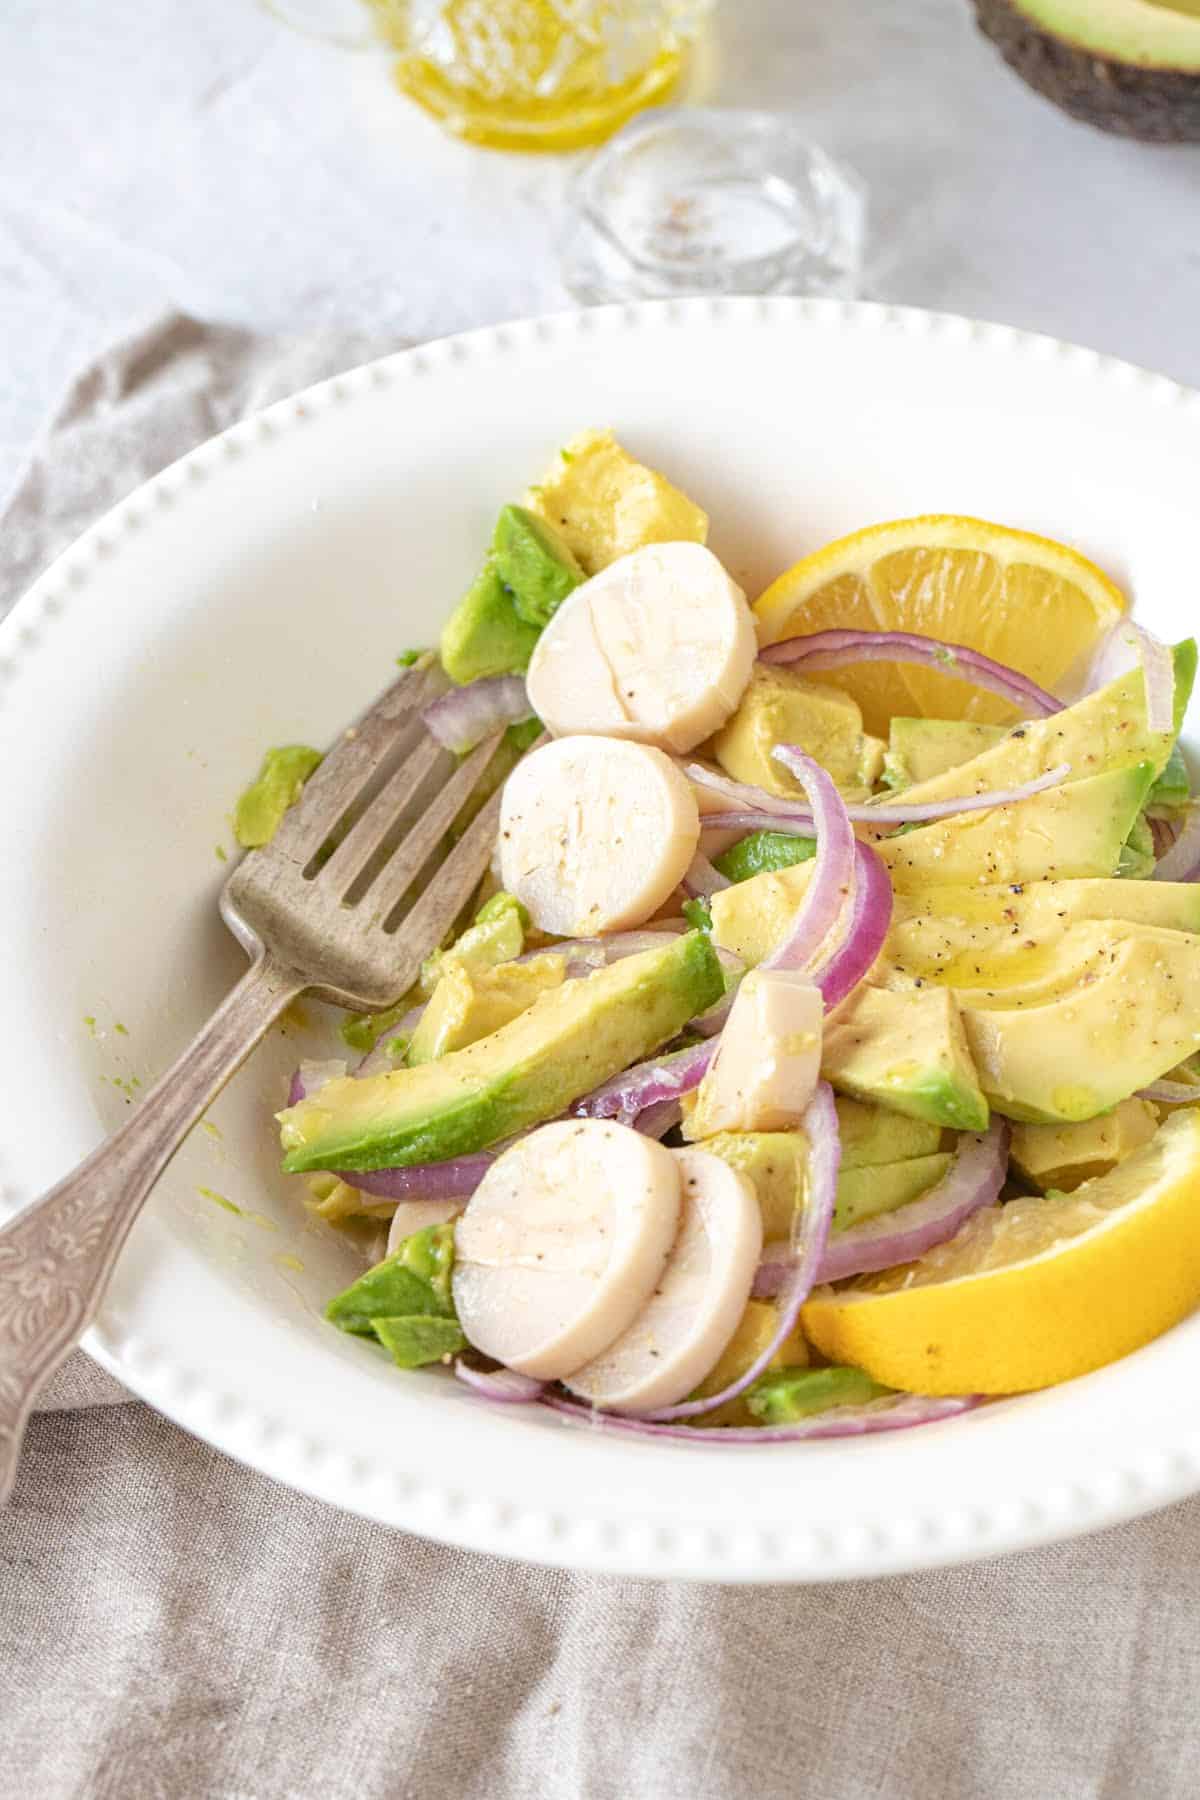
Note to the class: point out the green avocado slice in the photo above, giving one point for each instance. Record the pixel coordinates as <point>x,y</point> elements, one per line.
<point>787,1395</point>
<point>277,786</point>
<point>570,1040</point>
<point>485,635</point>
<point>1105,730</point>
<point>535,563</point>
<point>907,1051</point>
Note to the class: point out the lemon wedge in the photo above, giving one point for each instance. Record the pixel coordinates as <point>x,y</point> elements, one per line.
<point>1035,1291</point>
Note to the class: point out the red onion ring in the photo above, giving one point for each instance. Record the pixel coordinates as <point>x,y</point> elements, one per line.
<point>870,922</point>
<point>836,649</point>
<point>973,1180</point>
<point>900,1414</point>
<point>832,871</point>
<point>1182,860</point>
<point>311,1077</point>
<point>765,812</point>
<point>464,716</point>
<point>1171,1093</point>
<point>628,1095</point>
<point>703,879</point>
<point>820,1126</point>
<point>449,1180</point>
<point>505,1386</point>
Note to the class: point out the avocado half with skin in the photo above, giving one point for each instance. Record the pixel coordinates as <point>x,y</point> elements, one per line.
<point>1129,66</point>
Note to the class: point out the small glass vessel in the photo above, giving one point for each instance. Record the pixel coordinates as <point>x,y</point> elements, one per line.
<point>538,74</point>
<point>710,200</point>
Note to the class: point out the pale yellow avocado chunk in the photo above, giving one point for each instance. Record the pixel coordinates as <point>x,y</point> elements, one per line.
<point>875,1134</point>
<point>780,707</point>
<point>1063,1156</point>
<point>907,1051</point>
<point>470,1002</point>
<point>1074,833</point>
<point>605,504</point>
<point>776,1163</point>
<point>1132,1015</point>
<point>1065,833</point>
<point>1106,730</point>
<point>919,749</point>
<point>755,1329</point>
<point>866,1193</point>
<point>995,936</point>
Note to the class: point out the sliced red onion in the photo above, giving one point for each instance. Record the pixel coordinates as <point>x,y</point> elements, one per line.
<point>837,649</point>
<point>974,1179</point>
<point>586,955</point>
<point>702,878</point>
<point>1171,1093</point>
<point>628,1095</point>
<point>448,1180</point>
<point>820,1126</point>
<point>656,1121</point>
<point>505,1386</point>
<point>464,716</point>
<point>1127,645</point>
<point>1182,860</point>
<point>899,1414</point>
<point>742,796</point>
<point>870,921</point>
<point>311,1077</point>
<point>797,821</point>
<point>832,872</point>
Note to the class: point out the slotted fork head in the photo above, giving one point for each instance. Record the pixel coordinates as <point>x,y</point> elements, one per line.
<point>360,882</point>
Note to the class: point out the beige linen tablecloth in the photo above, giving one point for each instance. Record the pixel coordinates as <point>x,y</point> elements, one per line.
<point>173,1625</point>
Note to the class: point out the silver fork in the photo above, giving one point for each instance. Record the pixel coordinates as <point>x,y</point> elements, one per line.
<point>321,909</point>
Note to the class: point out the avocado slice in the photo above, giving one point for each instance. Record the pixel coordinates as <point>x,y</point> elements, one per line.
<point>569,1041</point>
<point>603,503</point>
<point>485,634</point>
<point>776,1163</point>
<point>1031,908</point>
<point>277,786</point>
<point>1064,1156</point>
<point>1137,859</point>
<point>1105,730</point>
<point>781,707</point>
<point>496,936</point>
<point>1123,65</point>
<point>1069,832</point>
<point>993,937</point>
<point>919,749</point>
<point>1173,788</point>
<point>1134,1014</point>
<point>762,852</point>
<point>907,1051</point>
<point>875,1134</point>
<point>535,563</point>
<point>786,1396</point>
<point>469,1004</point>
<point>406,1301</point>
<point>881,1188</point>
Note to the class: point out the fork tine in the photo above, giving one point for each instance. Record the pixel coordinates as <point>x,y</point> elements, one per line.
<point>368,833</point>
<point>401,869</point>
<point>349,764</point>
<point>428,921</point>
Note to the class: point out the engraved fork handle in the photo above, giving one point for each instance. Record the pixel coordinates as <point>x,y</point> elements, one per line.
<point>56,1256</point>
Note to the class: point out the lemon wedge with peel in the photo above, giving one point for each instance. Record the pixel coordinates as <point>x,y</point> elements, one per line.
<point>1035,1291</point>
<point>1026,601</point>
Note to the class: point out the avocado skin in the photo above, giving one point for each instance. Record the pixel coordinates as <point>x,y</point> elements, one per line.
<point>1157,105</point>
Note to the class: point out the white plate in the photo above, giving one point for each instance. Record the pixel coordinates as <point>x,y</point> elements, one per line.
<point>257,593</point>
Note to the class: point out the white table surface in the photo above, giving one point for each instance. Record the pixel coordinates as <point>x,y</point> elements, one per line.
<point>154,152</point>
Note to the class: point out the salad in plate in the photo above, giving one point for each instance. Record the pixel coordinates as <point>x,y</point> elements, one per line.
<point>821,1054</point>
